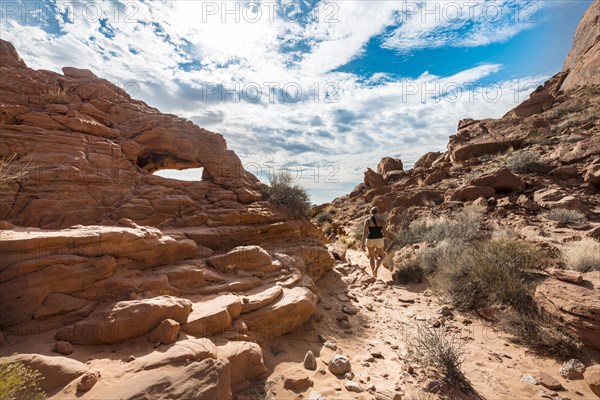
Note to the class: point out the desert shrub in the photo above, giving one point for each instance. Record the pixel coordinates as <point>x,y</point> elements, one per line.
<point>464,226</point>
<point>326,215</point>
<point>565,216</point>
<point>583,256</point>
<point>292,197</point>
<point>19,382</point>
<point>56,96</point>
<point>357,231</point>
<point>525,161</point>
<point>565,109</point>
<point>542,334</point>
<point>575,120</point>
<point>433,347</point>
<point>409,272</point>
<point>489,272</point>
<point>327,228</point>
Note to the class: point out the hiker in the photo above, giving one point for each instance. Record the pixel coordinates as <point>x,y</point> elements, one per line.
<point>373,231</point>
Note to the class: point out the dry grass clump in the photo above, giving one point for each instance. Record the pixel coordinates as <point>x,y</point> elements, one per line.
<point>582,256</point>
<point>434,347</point>
<point>463,227</point>
<point>565,216</point>
<point>19,382</point>
<point>489,272</point>
<point>292,197</point>
<point>5,169</point>
<point>56,96</point>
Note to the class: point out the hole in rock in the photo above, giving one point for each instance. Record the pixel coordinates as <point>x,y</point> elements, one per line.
<point>192,174</point>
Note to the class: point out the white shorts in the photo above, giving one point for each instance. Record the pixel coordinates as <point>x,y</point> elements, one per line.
<point>377,243</point>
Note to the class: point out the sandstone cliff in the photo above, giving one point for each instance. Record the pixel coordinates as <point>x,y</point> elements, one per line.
<point>97,250</point>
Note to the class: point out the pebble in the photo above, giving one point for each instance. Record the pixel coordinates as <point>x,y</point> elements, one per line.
<point>64,348</point>
<point>345,325</point>
<point>330,344</point>
<point>310,362</point>
<point>316,396</point>
<point>130,359</point>
<point>376,354</point>
<point>529,379</point>
<point>352,386</point>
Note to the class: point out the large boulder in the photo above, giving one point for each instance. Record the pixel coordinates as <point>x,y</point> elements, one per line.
<point>125,320</point>
<point>246,363</point>
<point>427,160</point>
<point>373,180</point>
<point>576,305</point>
<point>470,193</point>
<point>388,164</point>
<point>556,198</point>
<point>294,308</point>
<point>502,180</point>
<point>241,258</point>
<point>56,371</point>
<point>592,378</point>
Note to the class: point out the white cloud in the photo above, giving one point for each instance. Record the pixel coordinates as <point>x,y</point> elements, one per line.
<point>363,119</point>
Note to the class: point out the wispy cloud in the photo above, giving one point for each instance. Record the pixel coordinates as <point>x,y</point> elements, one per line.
<point>264,75</point>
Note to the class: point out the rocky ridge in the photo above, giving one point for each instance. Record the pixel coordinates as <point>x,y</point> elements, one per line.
<point>96,250</point>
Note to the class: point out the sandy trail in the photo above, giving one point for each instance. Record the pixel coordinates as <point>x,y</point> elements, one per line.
<point>385,312</point>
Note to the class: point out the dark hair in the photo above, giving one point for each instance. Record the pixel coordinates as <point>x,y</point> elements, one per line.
<point>374,210</point>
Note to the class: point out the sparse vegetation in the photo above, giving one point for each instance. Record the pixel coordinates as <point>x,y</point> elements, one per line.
<point>435,348</point>
<point>463,227</point>
<point>5,170</point>
<point>524,162</point>
<point>541,333</point>
<point>409,272</point>
<point>326,215</point>
<point>56,96</point>
<point>292,197</point>
<point>575,120</point>
<point>19,382</point>
<point>583,256</point>
<point>565,109</point>
<point>489,272</point>
<point>565,216</point>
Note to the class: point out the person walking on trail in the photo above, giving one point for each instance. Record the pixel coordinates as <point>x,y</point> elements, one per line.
<point>373,232</point>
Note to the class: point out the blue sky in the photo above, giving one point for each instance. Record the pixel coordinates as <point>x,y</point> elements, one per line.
<point>325,88</point>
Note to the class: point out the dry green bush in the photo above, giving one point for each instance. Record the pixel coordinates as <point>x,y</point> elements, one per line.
<point>524,162</point>
<point>17,382</point>
<point>409,272</point>
<point>489,272</point>
<point>326,215</point>
<point>583,256</point>
<point>292,197</point>
<point>565,216</point>
<point>463,227</point>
